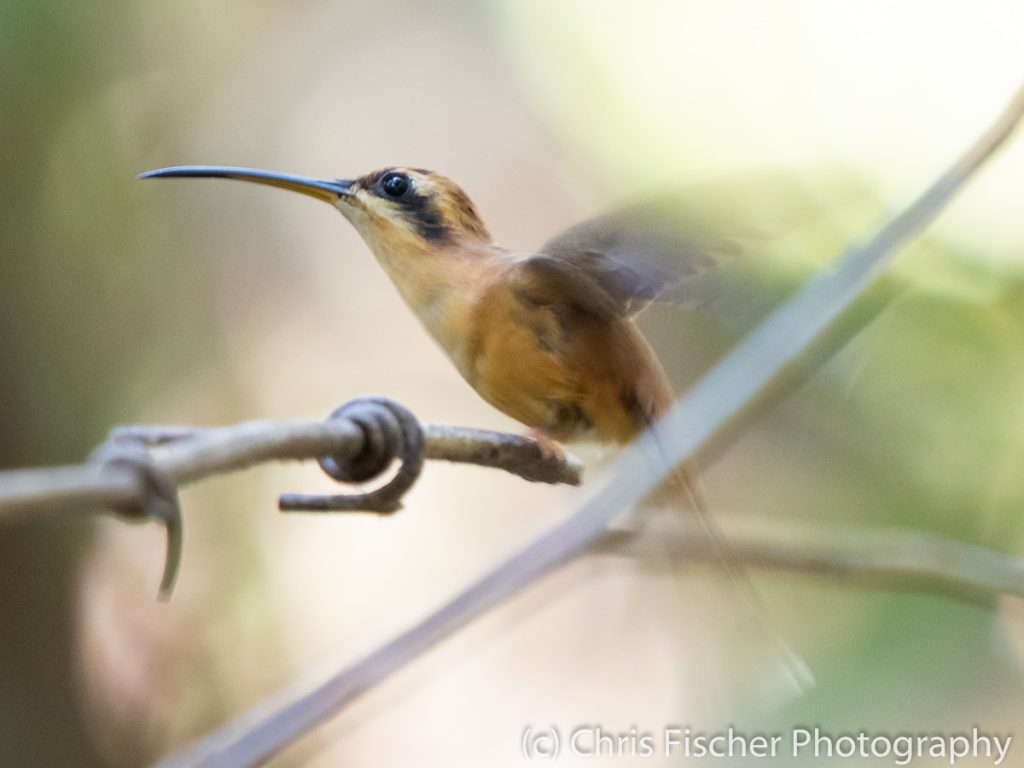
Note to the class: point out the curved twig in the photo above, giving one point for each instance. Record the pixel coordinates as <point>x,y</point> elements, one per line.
<point>137,471</point>
<point>188,454</point>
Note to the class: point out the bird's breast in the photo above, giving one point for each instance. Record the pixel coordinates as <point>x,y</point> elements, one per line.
<point>443,288</point>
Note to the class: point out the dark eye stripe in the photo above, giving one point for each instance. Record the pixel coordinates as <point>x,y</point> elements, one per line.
<point>420,210</point>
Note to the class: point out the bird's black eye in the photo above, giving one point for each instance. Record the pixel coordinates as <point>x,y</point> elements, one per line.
<point>395,184</point>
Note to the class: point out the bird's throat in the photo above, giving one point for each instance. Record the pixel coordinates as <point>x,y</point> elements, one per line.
<point>440,286</point>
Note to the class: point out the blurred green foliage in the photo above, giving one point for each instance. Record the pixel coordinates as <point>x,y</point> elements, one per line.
<point>915,424</point>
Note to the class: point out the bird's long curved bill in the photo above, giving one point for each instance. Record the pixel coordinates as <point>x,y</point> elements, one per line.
<point>322,189</point>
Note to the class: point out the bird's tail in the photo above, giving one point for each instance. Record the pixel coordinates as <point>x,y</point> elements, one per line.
<point>683,488</point>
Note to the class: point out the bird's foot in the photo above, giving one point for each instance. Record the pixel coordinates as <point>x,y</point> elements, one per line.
<point>550,450</point>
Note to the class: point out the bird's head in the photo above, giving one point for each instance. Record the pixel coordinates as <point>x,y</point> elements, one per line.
<point>391,208</point>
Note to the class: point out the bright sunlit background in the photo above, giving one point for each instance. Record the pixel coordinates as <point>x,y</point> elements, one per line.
<point>794,125</point>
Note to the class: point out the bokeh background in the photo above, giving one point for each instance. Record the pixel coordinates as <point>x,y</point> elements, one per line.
<point>795,125</point>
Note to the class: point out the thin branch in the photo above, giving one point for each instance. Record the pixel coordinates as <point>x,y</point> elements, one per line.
<point>886,559</point>
<point>25,492</point>
<point>732,393</point>
<point>137,472</point>
<point>186,455</point>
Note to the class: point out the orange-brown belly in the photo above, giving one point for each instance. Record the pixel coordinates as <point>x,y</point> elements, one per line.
<point>564,372</point>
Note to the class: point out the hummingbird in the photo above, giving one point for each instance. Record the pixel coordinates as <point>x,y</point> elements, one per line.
<point>549,337</point>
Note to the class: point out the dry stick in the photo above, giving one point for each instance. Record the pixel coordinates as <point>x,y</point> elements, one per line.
<point>890,559</point>
<point>140,484</point>
<point>732,392</point>
<point>186,454</point>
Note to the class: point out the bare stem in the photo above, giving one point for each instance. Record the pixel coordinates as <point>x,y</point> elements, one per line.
<point>185,455</point>
<point>891,559</point>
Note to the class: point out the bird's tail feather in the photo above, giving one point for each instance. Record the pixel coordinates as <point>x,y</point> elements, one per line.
<point>683,486</point>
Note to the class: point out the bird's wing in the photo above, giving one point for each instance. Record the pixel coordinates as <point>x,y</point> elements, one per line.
<point>616,264</point>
